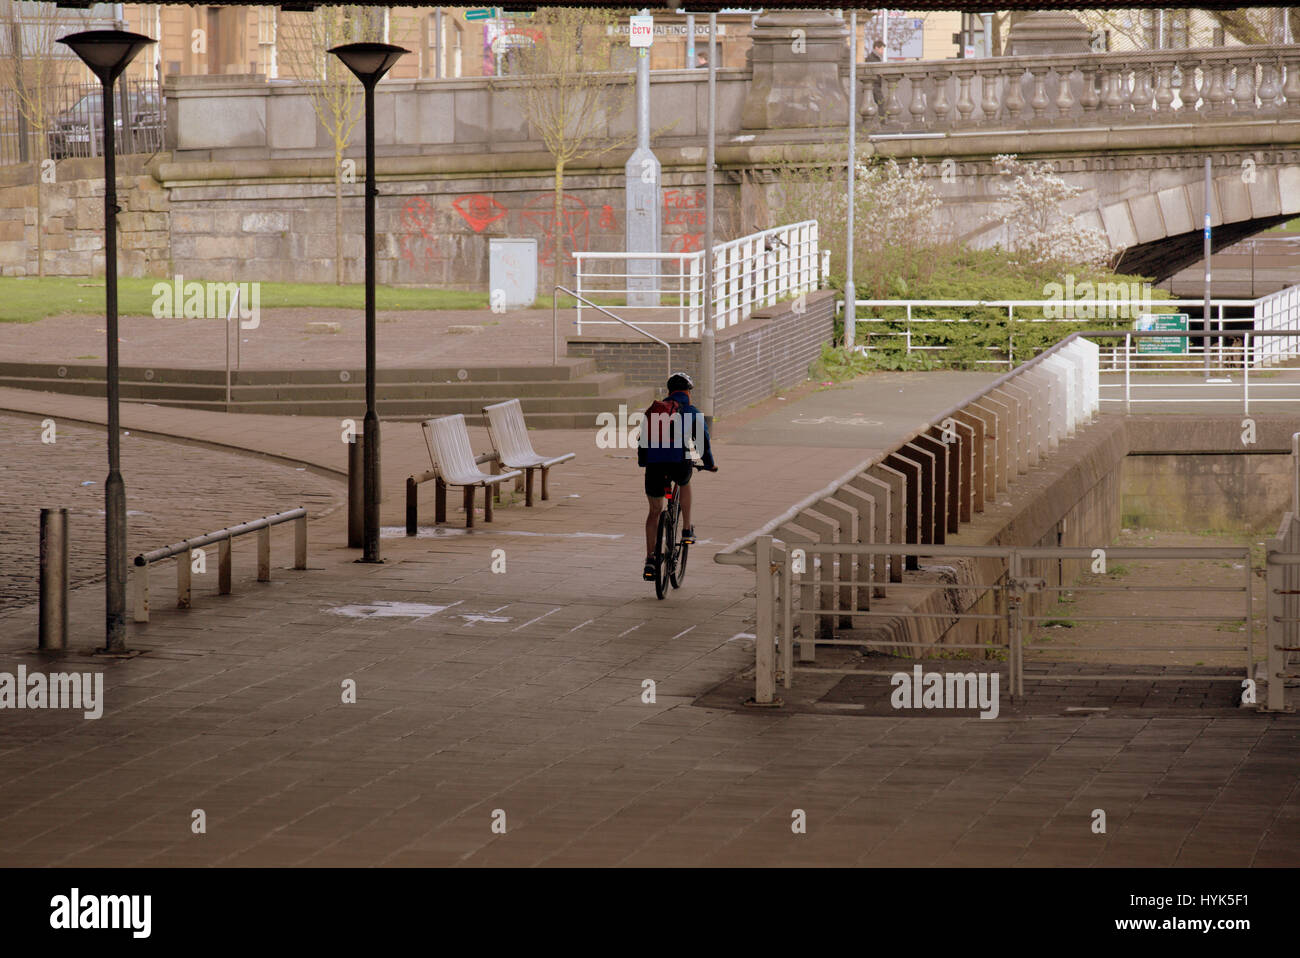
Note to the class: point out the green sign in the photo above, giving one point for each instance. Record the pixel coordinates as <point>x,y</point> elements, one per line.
<point>1162,344</point>
<point>482,13</point>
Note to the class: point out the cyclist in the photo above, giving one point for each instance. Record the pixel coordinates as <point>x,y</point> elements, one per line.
<point>672,460</point>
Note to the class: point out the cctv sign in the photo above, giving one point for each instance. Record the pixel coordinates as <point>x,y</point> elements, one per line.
<point>642,31</point>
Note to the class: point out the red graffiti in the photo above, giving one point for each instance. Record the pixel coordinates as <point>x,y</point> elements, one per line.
<point>687,243</point>
<point>479,211</point>
<point>607,217</point>
<point>575,230</point>
<point>685,208</point>
<point>682,200</point>
<point>419,239</point>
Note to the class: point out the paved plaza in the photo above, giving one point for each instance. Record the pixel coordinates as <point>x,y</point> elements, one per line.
<point>519,698</point>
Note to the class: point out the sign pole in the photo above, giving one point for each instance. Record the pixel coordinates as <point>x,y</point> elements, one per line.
<point>1205,343</point>
<point>707,340</point>
<point>850,291</point>
<point>642,195</point>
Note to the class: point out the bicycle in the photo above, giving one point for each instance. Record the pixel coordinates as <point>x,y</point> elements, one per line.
<point>670,552</point>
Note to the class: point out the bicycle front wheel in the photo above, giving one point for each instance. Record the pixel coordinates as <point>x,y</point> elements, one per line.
<point>678,573</point>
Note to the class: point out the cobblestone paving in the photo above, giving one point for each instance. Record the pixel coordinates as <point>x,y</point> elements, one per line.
<point>173,490</point>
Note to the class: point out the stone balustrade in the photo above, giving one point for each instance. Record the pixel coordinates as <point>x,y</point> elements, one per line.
<point>1149,86</point>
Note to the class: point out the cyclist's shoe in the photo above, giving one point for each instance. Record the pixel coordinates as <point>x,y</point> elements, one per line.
<point>649,573</point>
<point>688,536</point>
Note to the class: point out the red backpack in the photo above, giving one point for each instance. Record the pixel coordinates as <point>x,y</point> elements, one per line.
<point>659,424</point>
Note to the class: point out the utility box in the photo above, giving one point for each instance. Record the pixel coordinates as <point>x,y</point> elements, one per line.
<point>512,273</point>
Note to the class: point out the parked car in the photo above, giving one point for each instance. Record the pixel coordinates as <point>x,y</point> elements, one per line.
<point>78,130</point>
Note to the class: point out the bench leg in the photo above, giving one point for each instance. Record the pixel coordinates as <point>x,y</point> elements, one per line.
<point>528,485</point>
<point>439,501</point>
<point>496,489</point>
<point>469,507</point>
<point>412,506</point>
<point>487,502</point>
<point>546,483</point>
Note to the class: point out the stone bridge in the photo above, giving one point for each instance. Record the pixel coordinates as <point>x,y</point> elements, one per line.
<point>1132,130</point>
<point>245,189</point>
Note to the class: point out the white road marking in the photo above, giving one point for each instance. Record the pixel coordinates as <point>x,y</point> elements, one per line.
<point>577,627</point>
<point>683,632</point>
<point>390,610</point>
<point>633,629</point>
<point>538,619</point>
<point>472,617</point>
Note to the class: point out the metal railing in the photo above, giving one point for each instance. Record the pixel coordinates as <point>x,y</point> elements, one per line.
<point>1278,311</point>
<point>848,543</point>
<point>994,599</point>
<point>752,272</point>
<point>1188,378</point>
<point>555,325</point>
<point>184,553</point>
<point>74,121</point>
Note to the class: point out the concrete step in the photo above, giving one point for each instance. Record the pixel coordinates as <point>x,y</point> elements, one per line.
<point>546,412</point>
<point>567,370</point>
<point>482,393</point>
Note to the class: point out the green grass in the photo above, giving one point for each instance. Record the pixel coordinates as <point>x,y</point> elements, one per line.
<point>28,299</point>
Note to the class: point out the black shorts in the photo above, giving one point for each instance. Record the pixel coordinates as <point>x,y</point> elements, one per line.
<point>659,474</point>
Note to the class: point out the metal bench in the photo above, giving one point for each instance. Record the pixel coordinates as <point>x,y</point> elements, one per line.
<point>454,462</point>
<point>509,435</point>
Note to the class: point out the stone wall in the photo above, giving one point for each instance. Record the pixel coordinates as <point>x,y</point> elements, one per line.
<point>73,224</point>
<point>1214,493</point>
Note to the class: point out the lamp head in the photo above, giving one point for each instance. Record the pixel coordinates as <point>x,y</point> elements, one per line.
<point>368,61</point>
<point>106,52</point>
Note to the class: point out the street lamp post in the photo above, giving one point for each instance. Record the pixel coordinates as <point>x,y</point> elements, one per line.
<point>369,62</point>
<point>107,53</point>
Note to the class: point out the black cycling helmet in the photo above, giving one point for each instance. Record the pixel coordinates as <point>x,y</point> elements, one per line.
<point>679,381</point>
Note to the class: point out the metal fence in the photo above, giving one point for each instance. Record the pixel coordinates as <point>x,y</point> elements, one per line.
<point>75,120</point>
<point>752,272</point>
<point>991,605</point>
<point>862,533</point>
<point>899,326</point>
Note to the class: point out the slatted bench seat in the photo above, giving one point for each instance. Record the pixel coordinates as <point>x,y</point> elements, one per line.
<point>454,462</point>
<point>509,435</point>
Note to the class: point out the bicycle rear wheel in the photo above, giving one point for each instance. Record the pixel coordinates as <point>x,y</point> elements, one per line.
<point>663,552</point>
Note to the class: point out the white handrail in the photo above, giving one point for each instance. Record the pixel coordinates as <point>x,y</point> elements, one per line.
<point>750,272</point>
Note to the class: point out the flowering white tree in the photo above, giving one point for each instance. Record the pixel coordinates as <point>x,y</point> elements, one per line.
<point>1036,226</point>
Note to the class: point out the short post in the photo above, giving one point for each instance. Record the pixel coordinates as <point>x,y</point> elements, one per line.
<point>264,554</point>
<point>412,506</point>
<point>300,543</point>
<point>1274,628</point>
<point>787,616</point>
<point>223,566</point>
<point>1128,387</point>
<point>1295,474</point>
<point>764,628</point>
<point>356,493</point>
<point>184,578</point>
<point>53,634</point>
<point>141,604</point>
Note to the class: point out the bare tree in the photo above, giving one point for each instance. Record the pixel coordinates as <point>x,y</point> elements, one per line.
<point>30,67</point>
<point>570,94</point>
<point>1249,25</point>
<point>335,94</point>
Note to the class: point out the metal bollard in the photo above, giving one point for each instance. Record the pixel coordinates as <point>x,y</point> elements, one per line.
<point>356,493</point>
<point>54,580</point>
